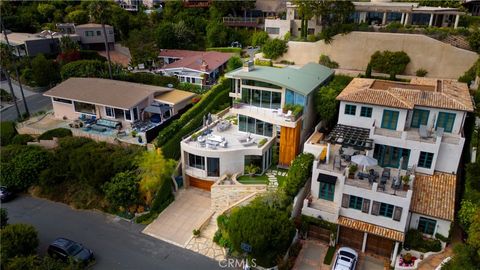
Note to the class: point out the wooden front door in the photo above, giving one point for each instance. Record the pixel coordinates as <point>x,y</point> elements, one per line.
<point>350,238</point>
<point>199,183</point>
<point>379,245</point>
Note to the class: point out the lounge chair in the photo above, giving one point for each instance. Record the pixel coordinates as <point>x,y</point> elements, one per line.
<point>423,132</point>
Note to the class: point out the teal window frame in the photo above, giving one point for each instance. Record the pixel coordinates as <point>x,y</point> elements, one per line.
<point>446,121</point>
<point>355,202</point>
<point>420,117</point>
<point>390,119</point>
<point>366,112</point>
<point>426,225</point>
<point>425,160</point>
<point>386,210</point>
<point>350,109</point>
<point>327,191</point>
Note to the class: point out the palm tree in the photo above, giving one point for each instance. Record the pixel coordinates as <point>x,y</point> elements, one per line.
<point>100,11</point>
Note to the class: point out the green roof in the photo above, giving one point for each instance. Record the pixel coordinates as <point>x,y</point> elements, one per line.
<point>302,80</point>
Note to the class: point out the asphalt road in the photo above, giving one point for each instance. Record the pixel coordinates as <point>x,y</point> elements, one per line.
<point>117,244</point>
<point>35,103</point>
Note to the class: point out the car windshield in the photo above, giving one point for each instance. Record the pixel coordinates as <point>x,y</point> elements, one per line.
<point>348,254</point>
<point>74,249</point>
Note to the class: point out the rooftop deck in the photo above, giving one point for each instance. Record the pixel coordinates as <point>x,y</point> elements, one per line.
<point>275,117</point>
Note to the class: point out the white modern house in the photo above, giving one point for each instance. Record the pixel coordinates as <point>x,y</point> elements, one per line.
<point>413,131</point>
<point>263,115</point>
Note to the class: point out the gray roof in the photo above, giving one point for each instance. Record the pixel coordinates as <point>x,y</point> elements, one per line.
<point>302,80</point>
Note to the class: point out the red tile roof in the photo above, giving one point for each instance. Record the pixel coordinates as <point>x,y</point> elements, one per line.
<point>194,59</point>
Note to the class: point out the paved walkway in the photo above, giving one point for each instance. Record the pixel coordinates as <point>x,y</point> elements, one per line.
<point>176,223</point>
<point>435,260</point>
<point>204,243</point>
<point>311,256</point>
<point>272,178</point>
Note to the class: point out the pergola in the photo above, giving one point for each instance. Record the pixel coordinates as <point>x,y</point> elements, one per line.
<point>349,136</point>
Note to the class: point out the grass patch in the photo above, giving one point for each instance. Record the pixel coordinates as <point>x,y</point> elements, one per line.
<point>257,179</point>
<point>329,256</point>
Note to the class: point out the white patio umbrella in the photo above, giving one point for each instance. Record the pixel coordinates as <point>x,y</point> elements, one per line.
<point>364,161</point>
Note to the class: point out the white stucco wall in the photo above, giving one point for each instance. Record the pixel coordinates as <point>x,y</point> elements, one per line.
<point>443,226</point>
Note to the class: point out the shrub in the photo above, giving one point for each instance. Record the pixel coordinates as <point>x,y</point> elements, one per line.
<point>329,256</point>
<point>83,68</point>
<point>474,40</point>
<point>7,132</point>
<point>146,218</point>
<point>190,87</point>
<point>57,133</point>
<point>421,72</point>
<point>274,48</point>
<point>18,240</point>
<point>326,103</point>
<point>259,38</point>
<point>265,62</point>
<point>234,63</point>
<point>298,174</point>
<point>326,61</point>
<point>22,139</point>
<point>122,190</point>
<point>5,96</point>
<point>392,63</point>
<point>226,49</point>
<point>414,239</point>
<point>3,217</point>
<point>311,38</point>
<point>196,232</point>
<point>44,72</point>
<point>442,238</point>
<point>147,78</point>
<point>394,26</point>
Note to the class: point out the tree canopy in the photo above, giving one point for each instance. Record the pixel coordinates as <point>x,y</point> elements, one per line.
<point>122,190</point>
<point>326,103</point>
<point>18,240</point>
<point>274,48</point>
<point>392,63</point>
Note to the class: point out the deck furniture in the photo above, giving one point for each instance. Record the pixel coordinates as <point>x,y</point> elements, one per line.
<point>109,123</point>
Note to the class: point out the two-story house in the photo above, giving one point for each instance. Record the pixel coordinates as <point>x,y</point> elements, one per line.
<point>413,134</point>
<point>272,106</point>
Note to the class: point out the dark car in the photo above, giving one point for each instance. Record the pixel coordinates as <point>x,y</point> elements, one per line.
<point>6,195</point>
<point>65,249</point>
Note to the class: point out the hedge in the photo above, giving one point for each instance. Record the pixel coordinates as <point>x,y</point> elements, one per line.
<point>329,256</point>
<point>197,109</point>
<point>7,132</point>
<point>414,239</point>
<point>57,132</point>
<point>226,49</point>
<point>147,78</point>
<point>298,174</point>
<point>22,139</point>
<point>91,55</point>
<point>162,200</point>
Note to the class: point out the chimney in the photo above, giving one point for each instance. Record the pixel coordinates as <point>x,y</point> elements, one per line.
<point>248,66</point>
<point>204,66</point>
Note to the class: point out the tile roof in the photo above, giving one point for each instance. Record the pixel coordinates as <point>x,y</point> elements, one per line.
<point>370,228</point>
<point>446,94</point>
<point>105,92</point>
<point>434,195</point>
<point>195,59</point>
<point>303,80</point>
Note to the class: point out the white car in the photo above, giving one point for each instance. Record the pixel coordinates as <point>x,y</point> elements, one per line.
<point>346,259</point>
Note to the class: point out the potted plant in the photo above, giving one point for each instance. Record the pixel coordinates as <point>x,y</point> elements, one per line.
<point>406,182</point>
<point>134,133</point>
<point>196,233</point>
<point>407,258</point>
<point>237,103</point>
<point>352,170</point>
<point>251,169</point>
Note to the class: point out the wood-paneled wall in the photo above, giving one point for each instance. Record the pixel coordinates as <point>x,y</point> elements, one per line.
<point>289,144</point>
<point>199,183</point>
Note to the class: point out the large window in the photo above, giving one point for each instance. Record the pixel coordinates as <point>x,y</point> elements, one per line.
<point>62,100</point>
<point>260,98</point>
<point>355,202</point>
<point>272,30</point>
<point>84,107</point>
<point>420,117</point>
<point>426,225</point>
<point>128,115</point>
<point>213,166</point>
<point>366,112</point>
<point>425,160</point>
<point>350,109</point>
<point>252,125</point>
<point>390,119</point>
<point>89,33</point>
<point>446,120</point>
<point>292,97</point>
<point>386,210</point>
<point>254,160</point>
<point>327,190</point>
<point>109,112</point>
<point>260,84</point>
<point>196,161</point>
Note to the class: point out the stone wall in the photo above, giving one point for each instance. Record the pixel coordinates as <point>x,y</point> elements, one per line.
<point>353,51</point>
<point>225,195</point>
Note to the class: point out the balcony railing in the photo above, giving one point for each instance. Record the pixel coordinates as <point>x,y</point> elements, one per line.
<point>241,21</point>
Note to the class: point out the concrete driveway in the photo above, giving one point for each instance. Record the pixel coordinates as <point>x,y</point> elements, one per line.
<point>176,223</point>
<point>367,262</point>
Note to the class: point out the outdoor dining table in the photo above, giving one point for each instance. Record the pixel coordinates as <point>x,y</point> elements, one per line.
<point>215,138</point>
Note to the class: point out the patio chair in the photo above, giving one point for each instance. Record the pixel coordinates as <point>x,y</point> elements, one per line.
<point>385,175</point>
<point>224,144</point>
<point>381,186</point>
<point>422,130</point>
<point>288,116</point>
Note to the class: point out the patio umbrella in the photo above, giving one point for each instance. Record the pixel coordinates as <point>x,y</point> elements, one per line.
<point>364,161</point>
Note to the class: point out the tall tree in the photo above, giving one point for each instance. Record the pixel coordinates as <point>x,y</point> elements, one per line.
<point>100,11</point>
<point>306,10</point>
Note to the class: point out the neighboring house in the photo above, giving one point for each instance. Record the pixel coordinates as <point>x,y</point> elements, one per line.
<point>374,13</point>
<point>91,36</point>
<point>259,94</point>
<point>132,105</point>
<point>25,44</point>
<point>413,129</point>
<point>196,67</point>
<point>473,6</point>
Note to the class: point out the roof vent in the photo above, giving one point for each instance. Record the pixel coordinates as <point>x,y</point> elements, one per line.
<point>248,66</point>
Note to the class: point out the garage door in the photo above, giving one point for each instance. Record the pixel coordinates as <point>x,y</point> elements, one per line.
<point>350,238</point>
<point>203,184</point>
<point>379,245</point>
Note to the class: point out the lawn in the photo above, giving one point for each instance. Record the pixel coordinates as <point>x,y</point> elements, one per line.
<point>257,179</point>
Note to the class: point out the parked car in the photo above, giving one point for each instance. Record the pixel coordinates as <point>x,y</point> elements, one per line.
<point>64,249</point>
<point>347,259</point>
<point>6,195</point>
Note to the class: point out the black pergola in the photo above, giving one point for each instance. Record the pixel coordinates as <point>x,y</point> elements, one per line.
<point>349,136</point>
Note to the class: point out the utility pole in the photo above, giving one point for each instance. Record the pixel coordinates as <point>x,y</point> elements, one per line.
<point>16,72</point>
<point>12,93</point>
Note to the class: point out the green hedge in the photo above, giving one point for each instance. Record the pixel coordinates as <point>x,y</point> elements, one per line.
<point>414,239</point>
<point>22,139</point>
<point>226,49</point>
<point>147,78</point>
<point>7,132</point>
<point>298,174</point>
<point>329,256</point>
<point>57,132</point>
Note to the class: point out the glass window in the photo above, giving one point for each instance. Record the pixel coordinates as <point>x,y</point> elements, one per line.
<point>425,160</point>
<point>260,84</point>
<point>426,225</point>
<point>62,100</point>
<point>268,130</point>
<point>350,109</point>
<point>255,160</point>
<point>327,190</point>
<point>276,100</point>
<point>256,96</point>
<point>446,120</point>
<point>266,99</point>
<point>135,114</point>
<point>420,117</point>
<point>355,202</point>
<point>84,107</point>
<point>89,33</point>
<point>251,125</point>
<point>196,161</point>
<point>127,115</point>
<point>213,166</point>
<point>366,112</point>
<point>289,97</point>
<point>386,210</point>
<point>259,129</point>
<point>390,119</point>
<point>299,99</point>
<point>246,95</point>
<point>242,123</point>
<point>109,112</point>
<point>272,30</point>
<point>99,33</point>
